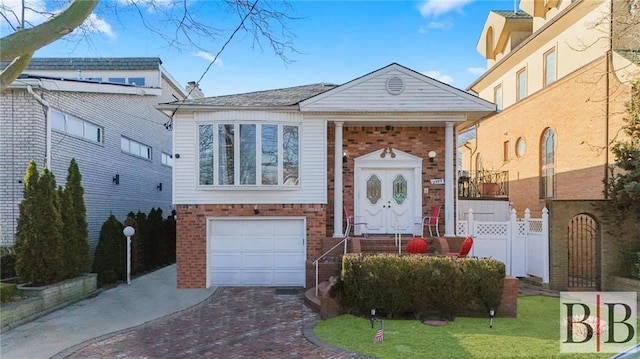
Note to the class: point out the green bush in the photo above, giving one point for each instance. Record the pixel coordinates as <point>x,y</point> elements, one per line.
<point>420,285</point>
<point>8,291</point>
<point>110,261</point>
<point>7,262</point>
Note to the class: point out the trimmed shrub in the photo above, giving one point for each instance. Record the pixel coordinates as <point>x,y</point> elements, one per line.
<point>7,262</point>
<point>110,256</point>
<point>8,291</point>
<point>74,231</point>
<point>38,241</point>
<point>421,285</point>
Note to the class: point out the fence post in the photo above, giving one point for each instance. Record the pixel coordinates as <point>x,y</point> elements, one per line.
<point>513,233</point>
<point>470,230</point>
<point>545,236</point>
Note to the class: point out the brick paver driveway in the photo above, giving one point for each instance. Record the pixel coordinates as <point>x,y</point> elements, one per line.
<point>232,323</point>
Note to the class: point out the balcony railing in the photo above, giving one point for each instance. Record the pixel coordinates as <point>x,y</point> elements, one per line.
<point>485,185</point>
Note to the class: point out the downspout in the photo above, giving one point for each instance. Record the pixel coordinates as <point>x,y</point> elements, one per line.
<point>43,102</point>
<point>609,58</point>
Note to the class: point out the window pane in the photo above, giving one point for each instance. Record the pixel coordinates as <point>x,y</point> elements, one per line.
<point>399,189</point>
<point>135,148</point>
<point>247,154</point>
<point>290,155</point>
<point>145,151</point>
<point>205,154</point>
<point>225,154</point>
<point>269,154</point>
<point>374,189</point>
<point>117,80</point>
<point>124,144</point>
<point>550,68</point>
<point>137,81</point>
<point>522,85</point>
<point>75,126</point>
<point>91,132</point>
<point>57,120</point>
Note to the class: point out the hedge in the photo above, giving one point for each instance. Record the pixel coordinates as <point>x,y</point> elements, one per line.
<point>420,285</point>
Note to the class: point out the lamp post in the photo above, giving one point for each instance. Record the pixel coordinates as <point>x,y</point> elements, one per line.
<point>128,231</point>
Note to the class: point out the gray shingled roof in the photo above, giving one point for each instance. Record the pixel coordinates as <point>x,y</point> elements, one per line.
<point>510,14</point>
<point>631,55</point>
<point>270,98</point>
<point>88,63</point>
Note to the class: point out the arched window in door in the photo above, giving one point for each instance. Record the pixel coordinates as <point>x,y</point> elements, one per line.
<point>547,164</point>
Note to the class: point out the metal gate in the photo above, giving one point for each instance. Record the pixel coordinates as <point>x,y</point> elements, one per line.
<point>583,253</point>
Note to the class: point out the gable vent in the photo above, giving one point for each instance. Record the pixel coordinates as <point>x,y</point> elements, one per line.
<point>395,85</point>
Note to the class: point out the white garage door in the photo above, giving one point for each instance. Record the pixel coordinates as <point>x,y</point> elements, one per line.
<point>257,252</point>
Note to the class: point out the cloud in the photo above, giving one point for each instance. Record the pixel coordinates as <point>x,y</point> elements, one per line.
<point>441,25</point>
<point>95,24</point>
<point>476,70</point>
<point>435,8</point>
<point>209,57</point>
<point>439,76</point>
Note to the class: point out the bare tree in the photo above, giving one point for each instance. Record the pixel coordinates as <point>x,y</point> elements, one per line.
<point>181,24</point>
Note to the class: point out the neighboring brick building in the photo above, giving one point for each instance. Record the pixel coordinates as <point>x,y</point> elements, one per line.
<point>560,92</point>
<point>101,112</point>
<point>560,74</point>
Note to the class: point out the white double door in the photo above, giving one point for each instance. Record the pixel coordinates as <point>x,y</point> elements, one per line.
<point>387,200</point>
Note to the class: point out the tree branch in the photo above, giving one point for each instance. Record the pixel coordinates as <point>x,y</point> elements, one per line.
<point>13,70</point>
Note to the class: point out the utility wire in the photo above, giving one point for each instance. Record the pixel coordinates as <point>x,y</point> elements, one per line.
<point>169,124</point>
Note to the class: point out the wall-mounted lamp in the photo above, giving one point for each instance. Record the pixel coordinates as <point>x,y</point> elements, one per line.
<point>345,157</point>
<point>116,179</point>
<point>256,210</point>
<point>159,186</point>
<point>432,156</point>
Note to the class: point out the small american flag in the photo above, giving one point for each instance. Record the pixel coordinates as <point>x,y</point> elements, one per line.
<point>379,336</point>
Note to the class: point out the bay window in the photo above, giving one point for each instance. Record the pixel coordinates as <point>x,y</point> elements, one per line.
<point>248,154</point>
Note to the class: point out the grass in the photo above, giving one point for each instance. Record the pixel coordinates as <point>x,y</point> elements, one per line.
<point>533,334</point>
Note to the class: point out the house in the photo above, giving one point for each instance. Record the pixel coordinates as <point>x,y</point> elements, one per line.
<point>261,179</point>
<point>101,112</point>
<point>560,82</point>
<point>559,73</point>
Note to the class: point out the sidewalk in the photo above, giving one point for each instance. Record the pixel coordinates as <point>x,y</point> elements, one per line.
<point>149,297</point>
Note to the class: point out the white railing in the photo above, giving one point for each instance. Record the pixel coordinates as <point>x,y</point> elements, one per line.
<point>315,263</point>
<point>521,244</point>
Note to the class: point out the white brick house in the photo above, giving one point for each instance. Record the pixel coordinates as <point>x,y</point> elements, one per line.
<point>101,112</point>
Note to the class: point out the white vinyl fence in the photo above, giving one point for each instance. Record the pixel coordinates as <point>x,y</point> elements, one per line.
<point>521,244</point>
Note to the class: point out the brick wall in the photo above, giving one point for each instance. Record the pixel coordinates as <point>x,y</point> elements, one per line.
<point>191,246</point>
<point>359,140</point>
<point>608,249</point>
<point>574,107</point>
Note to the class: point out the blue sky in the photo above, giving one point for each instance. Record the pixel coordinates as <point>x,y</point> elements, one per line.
<point>336,41</point>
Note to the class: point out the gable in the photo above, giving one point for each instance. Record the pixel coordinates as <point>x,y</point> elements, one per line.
<point>395,89</point>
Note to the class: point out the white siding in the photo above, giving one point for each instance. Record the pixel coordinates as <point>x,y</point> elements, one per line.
<point>420,94</point>
<point>313,156</point>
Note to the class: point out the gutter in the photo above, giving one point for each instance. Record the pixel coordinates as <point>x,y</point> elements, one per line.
<point>47,123</point>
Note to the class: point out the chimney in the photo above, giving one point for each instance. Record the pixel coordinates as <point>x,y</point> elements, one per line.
<point>193,90</point>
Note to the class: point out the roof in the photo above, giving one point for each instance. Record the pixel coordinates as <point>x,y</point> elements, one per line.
<point>510,14</point>
<point>631,55</point>
<point>89,63</point>
<point>270,98</point>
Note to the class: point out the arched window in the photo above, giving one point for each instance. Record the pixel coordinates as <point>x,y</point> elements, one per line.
<point>547,164</point>
<point>489,45</point>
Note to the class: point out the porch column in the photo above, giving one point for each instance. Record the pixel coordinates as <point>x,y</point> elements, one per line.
<point>337,180</point>
<point>449,179</point>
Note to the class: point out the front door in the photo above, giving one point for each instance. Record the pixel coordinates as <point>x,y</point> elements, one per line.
<point>387,198</point>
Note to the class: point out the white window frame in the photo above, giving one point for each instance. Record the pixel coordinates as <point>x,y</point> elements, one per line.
<point>126,145</point>
<point>90,131</point>
<point>521,86</point>
<point>167,159</point>
<point>550,73</point>
<point>258,158</point>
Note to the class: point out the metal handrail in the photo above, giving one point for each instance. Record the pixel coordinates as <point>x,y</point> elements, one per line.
<point>315,263</point>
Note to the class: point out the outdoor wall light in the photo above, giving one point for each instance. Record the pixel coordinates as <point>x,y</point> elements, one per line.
<point>432,156</point>
<point>256,210</point>
<point>116,179</point>
<point>345,156</point>
<point>159,186</point>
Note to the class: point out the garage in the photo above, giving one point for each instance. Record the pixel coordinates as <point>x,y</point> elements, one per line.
<point>256,251</point>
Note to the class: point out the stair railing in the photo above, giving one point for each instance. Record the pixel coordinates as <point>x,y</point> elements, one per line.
<point>315,263</point>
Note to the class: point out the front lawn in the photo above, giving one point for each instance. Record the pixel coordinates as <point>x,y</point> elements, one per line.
<point>533,334</point>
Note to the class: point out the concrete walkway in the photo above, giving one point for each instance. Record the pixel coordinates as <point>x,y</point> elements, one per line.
<point>149,297</point>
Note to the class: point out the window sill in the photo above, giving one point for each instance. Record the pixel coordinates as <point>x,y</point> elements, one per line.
<point>247,188</point>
